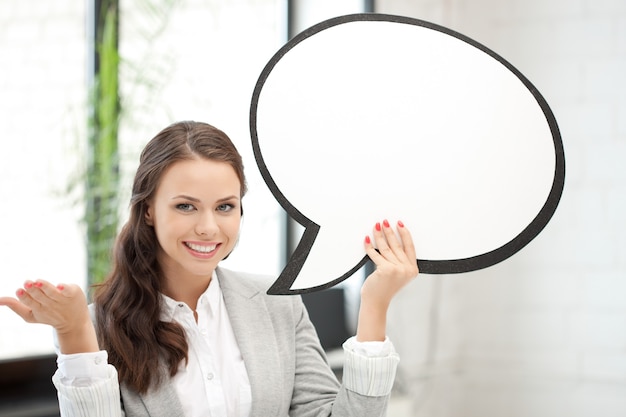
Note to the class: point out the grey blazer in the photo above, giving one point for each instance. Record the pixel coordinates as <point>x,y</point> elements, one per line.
<point>288,371</point>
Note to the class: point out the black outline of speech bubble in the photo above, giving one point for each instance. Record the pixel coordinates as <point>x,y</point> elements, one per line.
<point>452,266</point>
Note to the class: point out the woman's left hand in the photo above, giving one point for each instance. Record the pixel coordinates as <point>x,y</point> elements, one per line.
<point>396,266</point>
<point>395,262</point>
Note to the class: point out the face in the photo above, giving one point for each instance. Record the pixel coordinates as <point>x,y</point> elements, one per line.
<point>196,214</point>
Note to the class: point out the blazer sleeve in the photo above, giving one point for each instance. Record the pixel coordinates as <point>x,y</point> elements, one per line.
<point>317,393</point>
<point>99,398</point>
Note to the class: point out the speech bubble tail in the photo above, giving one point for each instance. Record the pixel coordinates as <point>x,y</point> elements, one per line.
<point>295,267</point>
<point>282,286</point>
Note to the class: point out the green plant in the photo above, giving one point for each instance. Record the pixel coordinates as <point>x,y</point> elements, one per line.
<point>102,171</point>
<point>95,185</point>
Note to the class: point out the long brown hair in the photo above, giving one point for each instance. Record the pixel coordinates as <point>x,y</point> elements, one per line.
<point>128,303</point>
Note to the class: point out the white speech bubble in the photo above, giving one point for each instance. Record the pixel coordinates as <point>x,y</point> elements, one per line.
<point>368,117</point>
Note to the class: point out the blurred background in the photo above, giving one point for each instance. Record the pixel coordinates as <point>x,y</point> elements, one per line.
<point>84,85</point>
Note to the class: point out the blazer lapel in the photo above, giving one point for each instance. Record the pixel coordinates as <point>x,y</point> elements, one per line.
<point>255,335</point>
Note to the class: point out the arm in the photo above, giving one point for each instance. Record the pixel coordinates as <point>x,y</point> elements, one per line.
<point>367,380</point>
<point>316,391</point>
<point>396,266</point>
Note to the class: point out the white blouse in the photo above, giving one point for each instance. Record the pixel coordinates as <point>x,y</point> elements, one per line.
<point>215,376</point>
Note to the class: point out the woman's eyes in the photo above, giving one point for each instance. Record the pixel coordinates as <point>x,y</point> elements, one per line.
<point>225,207</point>
<point>185,207</point>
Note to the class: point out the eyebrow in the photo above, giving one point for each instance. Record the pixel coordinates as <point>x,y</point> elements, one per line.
<point>186,197</point>
<point>196,200</point>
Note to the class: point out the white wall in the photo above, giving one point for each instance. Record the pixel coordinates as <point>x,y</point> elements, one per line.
<point>543,333</point>
<point>42,79</point>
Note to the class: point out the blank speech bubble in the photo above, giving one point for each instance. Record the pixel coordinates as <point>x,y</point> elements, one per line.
<point>368,117</point>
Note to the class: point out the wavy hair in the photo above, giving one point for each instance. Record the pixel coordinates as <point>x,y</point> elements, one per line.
<point>128,302</point>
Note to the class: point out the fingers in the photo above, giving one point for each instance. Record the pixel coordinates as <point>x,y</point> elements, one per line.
<point>6,301</point>
<point>407,241</point>
<point>395,261</point>
<point>396,246</point>
<point>42,292</point>
<point>34,296</point>
<point>392,249</point>
<point>387,243</point>
<point>17,306</point>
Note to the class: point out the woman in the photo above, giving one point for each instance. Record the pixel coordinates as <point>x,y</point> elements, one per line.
<point>170,333</point>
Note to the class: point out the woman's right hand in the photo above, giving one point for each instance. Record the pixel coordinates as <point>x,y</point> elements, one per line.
<point>63,307</point>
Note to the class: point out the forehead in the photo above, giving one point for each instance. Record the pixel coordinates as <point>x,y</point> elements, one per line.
<point>199,176</point>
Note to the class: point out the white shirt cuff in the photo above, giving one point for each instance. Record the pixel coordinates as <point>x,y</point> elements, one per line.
<point>369,367</point>
<point>369,349</point>
<point>83,365</point>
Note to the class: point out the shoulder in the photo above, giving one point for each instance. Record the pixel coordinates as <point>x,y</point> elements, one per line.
<point>243,282</point>
<point>229,277</point>
<point>251,285</point>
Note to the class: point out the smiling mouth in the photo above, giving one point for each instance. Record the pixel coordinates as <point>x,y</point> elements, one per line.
<point>201,248</point>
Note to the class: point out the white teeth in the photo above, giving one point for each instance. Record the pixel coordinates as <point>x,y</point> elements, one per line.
<point>201,248</point>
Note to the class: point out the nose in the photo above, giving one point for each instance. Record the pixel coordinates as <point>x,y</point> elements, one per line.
<point>206,224</point>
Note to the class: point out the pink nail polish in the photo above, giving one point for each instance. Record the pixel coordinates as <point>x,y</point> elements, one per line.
<point>385,223</point>
<point>400,224</point>
<point>20,292</point>
<point>60,287</point>
<point>367,240</point>
<point>28,284</point>
<point>38,284</point>
<point>378,227</point>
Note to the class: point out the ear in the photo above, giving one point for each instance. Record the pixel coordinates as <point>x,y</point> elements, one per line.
<point>149,216</point>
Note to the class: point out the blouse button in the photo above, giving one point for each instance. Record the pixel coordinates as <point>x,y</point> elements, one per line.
<point>98,361</point>
<point>209,376</point>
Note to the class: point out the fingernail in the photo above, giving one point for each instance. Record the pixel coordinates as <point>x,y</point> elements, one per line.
<point>400,224</point>
<point>60,287</point>
<point>38,284</point>
<point>378,226</point>
<point>28,284</point>
<point>367,240</point>
<point>385,223</point>
<point>20,292</point>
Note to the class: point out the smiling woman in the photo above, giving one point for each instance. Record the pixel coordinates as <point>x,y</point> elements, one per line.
<point>196,226</point>
<point>168,302</point>
<point>43,56</point>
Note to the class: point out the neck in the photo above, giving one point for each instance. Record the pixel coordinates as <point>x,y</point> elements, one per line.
<point>186,290</point>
